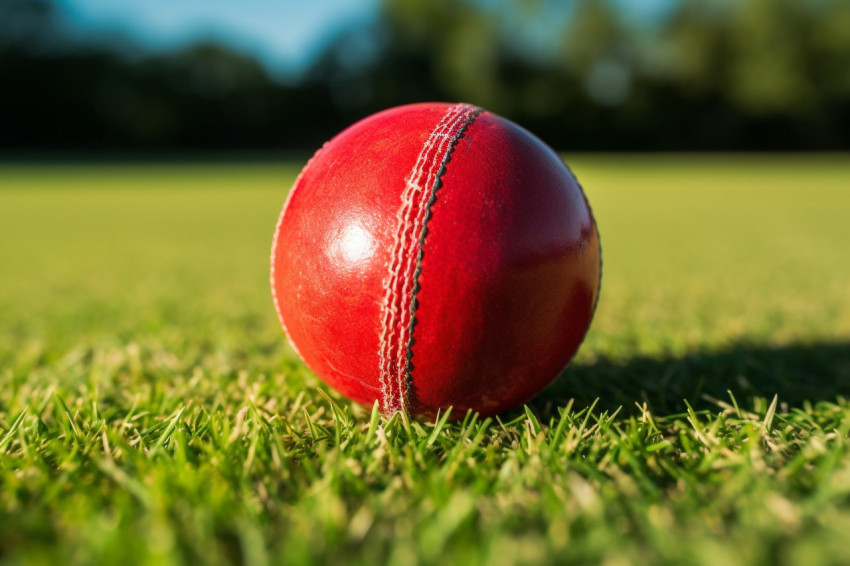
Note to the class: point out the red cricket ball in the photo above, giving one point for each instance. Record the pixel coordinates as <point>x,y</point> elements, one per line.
<point>436,255</point>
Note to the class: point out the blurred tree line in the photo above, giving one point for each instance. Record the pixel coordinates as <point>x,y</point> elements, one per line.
<point>710,75</point>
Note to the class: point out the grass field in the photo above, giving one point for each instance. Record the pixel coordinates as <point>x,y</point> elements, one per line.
<point>152,413</point>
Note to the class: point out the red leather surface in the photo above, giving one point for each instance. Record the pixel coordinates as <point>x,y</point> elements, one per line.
<point>509,268</point>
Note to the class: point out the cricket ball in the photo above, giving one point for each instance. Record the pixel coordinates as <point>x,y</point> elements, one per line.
<point>436,255</point>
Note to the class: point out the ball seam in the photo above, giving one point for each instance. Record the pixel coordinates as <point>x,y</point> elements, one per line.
<point>397,311</point>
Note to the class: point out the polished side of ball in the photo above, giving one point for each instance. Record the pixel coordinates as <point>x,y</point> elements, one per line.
<point>436,255</point>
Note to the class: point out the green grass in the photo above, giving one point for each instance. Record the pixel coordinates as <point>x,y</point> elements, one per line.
<point>152,413</point>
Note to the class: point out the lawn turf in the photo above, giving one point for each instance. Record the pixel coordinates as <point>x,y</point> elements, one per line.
<point>152,413</point>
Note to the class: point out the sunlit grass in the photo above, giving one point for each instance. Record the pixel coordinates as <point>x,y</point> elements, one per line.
<point>151,412</point>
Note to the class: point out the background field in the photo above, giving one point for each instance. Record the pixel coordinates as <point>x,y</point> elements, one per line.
<point>151,411</point>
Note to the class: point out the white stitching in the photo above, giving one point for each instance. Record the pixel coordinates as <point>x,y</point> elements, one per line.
<point>397,310</point>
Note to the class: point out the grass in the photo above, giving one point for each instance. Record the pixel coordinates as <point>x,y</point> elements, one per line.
<point>152,413</point>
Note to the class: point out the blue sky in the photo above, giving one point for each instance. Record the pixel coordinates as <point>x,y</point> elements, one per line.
<point>286,35</point>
